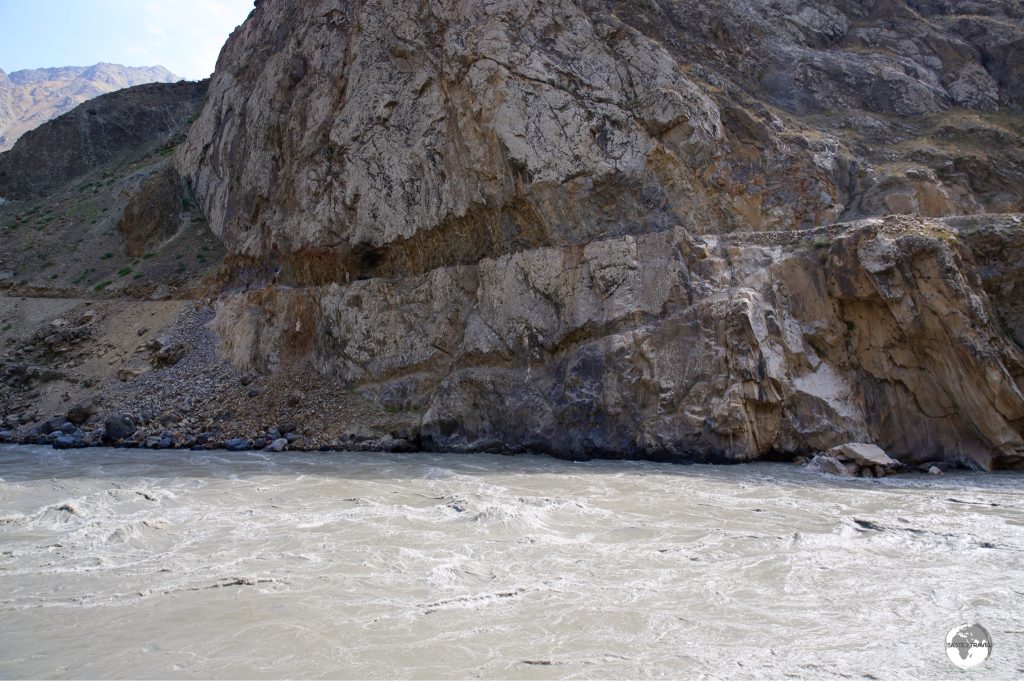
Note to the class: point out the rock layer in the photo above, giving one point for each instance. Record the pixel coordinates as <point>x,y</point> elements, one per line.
<point>671,345</point>
<point>582,226</point>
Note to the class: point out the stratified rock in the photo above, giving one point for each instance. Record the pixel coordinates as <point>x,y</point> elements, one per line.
<point>574,228</point>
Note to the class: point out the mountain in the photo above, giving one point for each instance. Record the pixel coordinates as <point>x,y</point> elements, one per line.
<point>670,229</point>
<point>31,97</point>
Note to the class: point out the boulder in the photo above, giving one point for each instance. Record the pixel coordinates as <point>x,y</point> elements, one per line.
<point>51,425</point>
<point>822,463</point>
<point>129,373</point>
<point>65,441</point>
<point>278,445</point>
<point>81,413</point>
<point>863,454</point>
<point>118,427</point>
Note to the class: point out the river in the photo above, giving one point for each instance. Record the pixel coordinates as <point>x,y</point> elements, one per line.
<point>144,564</point>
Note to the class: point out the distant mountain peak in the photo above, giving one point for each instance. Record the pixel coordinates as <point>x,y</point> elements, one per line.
<point>30,97</point>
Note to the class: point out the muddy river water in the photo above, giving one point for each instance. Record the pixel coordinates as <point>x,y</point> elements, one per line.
<point>141,564</point>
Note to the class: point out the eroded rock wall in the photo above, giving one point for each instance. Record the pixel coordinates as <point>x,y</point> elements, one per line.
<point>563,225</point>
<point>673,345</point>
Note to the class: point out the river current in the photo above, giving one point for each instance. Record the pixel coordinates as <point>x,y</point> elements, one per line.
<point>143,564</point>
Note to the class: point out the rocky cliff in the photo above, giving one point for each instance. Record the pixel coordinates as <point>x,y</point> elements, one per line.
<point>671,229</point>
<point>598,228</point>
<point>31,97</point>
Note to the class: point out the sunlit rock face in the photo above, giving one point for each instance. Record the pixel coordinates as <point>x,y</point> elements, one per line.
<point>586,227</point>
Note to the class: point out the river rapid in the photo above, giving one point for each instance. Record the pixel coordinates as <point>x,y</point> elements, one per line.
<point>143,564</point>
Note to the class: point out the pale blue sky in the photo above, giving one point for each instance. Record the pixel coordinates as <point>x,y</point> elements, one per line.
<point>183,35</point>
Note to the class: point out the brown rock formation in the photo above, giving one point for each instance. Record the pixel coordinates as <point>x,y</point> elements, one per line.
<point>160,208</point>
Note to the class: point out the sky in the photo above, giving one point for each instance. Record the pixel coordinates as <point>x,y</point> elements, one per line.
<point>184,36</point>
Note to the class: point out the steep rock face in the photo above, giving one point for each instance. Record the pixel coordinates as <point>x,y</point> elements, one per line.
<point>563,226</point>
<point>35,96</point>
<point>462,113</point>
<point>359,125</point>
<point>115,126</point>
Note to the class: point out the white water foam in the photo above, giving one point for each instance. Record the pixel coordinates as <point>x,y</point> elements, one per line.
<point>180,564</point>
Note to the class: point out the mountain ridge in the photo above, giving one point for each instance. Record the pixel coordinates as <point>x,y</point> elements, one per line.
<point>30,97</point>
